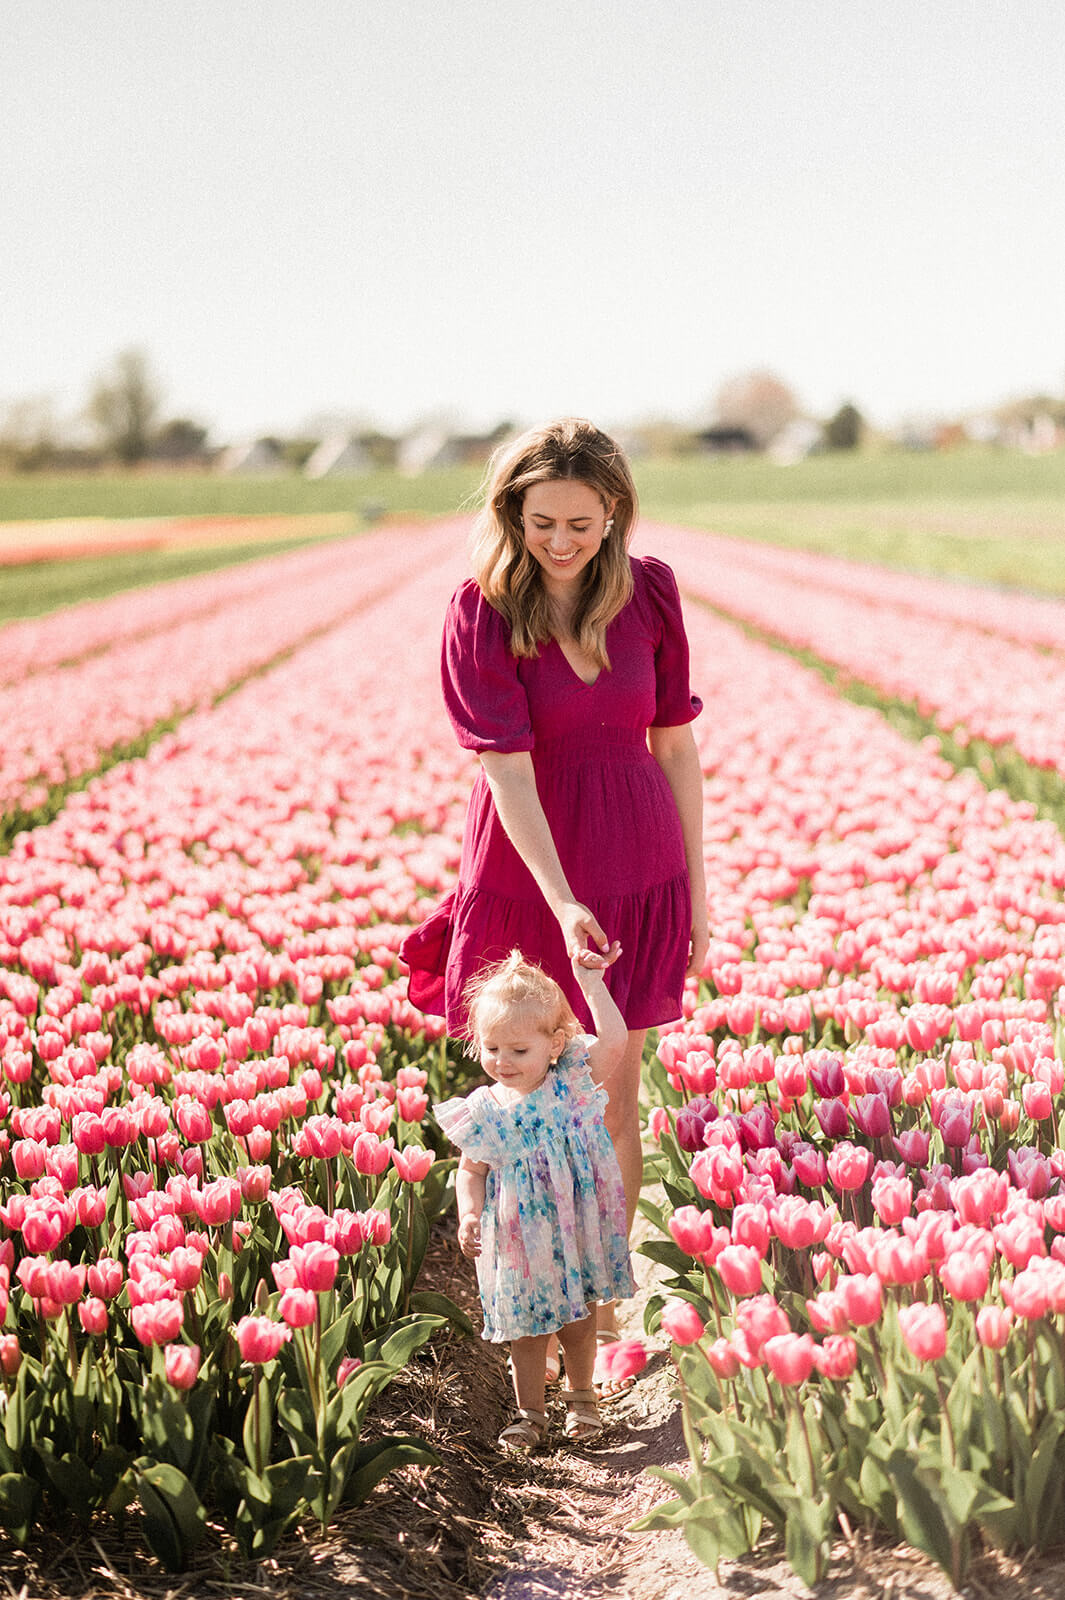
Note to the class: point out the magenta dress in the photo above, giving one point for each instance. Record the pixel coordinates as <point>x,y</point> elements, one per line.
<point>609,807</point>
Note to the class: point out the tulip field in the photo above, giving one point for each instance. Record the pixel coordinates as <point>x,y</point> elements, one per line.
<point>225,801</point>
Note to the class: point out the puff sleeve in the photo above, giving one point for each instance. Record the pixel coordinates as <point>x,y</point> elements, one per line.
<point>572,1067</point>
<point>477,1135</point>
<point>483,694</point>
<point>674,702</point>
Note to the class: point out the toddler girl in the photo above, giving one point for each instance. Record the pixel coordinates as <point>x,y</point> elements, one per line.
<point>540,1198</point>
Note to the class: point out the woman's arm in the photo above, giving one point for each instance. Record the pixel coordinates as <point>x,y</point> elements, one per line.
<point>674,750</point>
<point>513,784</point>
<point>611,1034</point>
<point>469,1197</point>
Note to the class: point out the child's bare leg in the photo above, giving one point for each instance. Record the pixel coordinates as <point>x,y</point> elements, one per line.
<point>528,1360</point>
<point>578,1344</point>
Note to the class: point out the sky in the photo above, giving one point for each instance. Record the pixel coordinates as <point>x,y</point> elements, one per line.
<point>405,208</point>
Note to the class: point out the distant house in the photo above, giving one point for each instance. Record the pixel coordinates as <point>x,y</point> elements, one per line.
<point>797,439</point>
<point>256,457</point>
<point>339,455</point>
<point>435,446</point>
<point>726,439</point>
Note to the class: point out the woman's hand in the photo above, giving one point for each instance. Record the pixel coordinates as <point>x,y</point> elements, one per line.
<point>579,929</point>
<point>700,944</point>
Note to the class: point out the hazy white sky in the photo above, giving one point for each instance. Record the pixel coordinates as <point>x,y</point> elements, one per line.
<point>531,207</point>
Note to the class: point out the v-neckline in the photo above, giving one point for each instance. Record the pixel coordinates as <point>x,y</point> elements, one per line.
<point>584,683</point>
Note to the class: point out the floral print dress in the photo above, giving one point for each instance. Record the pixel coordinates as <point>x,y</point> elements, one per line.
<point>553,1236</point>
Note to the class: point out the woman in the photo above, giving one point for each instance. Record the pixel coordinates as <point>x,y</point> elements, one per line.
<point>565,666</point>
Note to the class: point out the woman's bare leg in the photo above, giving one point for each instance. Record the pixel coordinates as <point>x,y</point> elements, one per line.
<point>623,1125</point>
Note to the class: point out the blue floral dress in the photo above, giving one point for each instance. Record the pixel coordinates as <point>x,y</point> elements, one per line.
<point>553,1237</point>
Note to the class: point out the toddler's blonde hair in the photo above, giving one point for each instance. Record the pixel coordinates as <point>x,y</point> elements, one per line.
<point>517,986</point>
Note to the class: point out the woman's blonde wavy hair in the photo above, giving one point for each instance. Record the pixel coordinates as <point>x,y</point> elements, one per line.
<point>519,989</point>
<point>510,579</point>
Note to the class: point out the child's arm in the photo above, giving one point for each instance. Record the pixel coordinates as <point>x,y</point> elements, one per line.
<point>469,1195</point>
<point>611,1034</point>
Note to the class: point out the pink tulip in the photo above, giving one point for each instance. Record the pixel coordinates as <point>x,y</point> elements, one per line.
<point>371,1155</point>
<point>723,1359</point>
<point>622,1359</point>
<point>682,1322</point>
<point>298,1307</point>
<point>924,1329</point>
<point>348,1365</point>
<point>105,1277</point>
<point>849,1165</point>
<point>92,1315</point>
<point>758,1319</point>
<point>412,1163</point>
<point>693,1230</point>
<point>260,1338</point>
<point>10,1354</point>
<point>993,1326</point>
<point>861,1295</point>
<point>157,1322</point>
<point>316,1265</point>
<point>740,1269</point>
<point>892,1199</point>
<point>836,1358</point>
<point>965,1276</point>
<point>790,1357</point>
<point>182,1363</point>
<point>193,1119</point>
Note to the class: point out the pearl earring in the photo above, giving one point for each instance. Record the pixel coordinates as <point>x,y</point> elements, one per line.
<point>608,527</point>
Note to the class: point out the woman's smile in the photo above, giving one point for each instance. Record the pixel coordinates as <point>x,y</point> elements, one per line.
<point>564,525</point>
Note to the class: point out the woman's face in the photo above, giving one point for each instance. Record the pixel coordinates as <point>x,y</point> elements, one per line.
<point>564,524</point>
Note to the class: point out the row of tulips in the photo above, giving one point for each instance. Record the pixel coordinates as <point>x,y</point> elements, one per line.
<point>217,1175</point>
<point>61,722</point>
<point>92,626</point>
<point>858,1127</point>
<point>1006,613</point>
<point>1005,692</point>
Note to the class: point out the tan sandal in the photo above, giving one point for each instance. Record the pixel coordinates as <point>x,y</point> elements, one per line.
<point>526,1432</point>
<point>583,1421</point>
<point>608,1388</point>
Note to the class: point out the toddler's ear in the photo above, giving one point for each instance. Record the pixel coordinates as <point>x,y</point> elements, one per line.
<point>558,1043</point>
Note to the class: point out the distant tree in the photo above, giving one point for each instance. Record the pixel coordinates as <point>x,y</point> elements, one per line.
<point>123,406</point>
<point>758,401</point>
<point>844,430</point>
<point>29,434</point>
<point>178,440</point>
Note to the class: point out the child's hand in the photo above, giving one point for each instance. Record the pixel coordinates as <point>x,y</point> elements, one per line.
<point>595,960</point>
<point>470,1236</point>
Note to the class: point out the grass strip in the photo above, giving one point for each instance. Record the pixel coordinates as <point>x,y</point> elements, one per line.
<point>42,586</point>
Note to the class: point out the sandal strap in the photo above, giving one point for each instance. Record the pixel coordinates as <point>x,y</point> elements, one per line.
<point>580,1396</point>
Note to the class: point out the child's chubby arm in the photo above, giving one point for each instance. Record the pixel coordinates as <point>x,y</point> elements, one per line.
<point>469,1195</point>
<point>611,1034</point>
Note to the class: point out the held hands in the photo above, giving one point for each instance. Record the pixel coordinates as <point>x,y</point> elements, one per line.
<point>580,930</point>
<point>470,1235</point>
<point>585,961</point>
